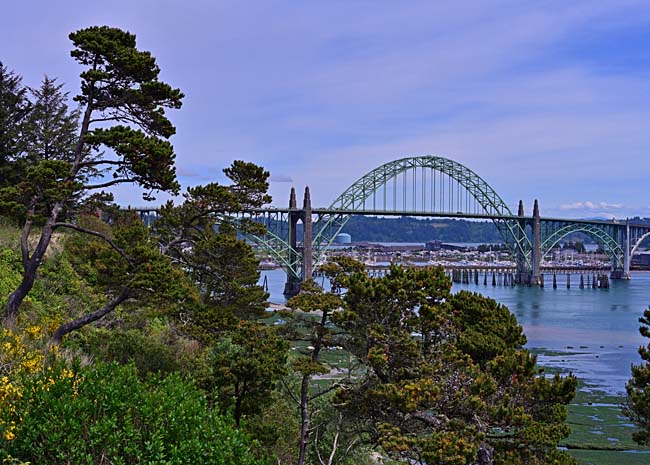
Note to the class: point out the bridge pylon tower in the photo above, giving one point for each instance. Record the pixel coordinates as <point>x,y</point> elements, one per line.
<point>304,215</point>
<point>537,246</point>
<point>623,272</point>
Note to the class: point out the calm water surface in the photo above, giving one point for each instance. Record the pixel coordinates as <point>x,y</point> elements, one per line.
<point>598,328</point>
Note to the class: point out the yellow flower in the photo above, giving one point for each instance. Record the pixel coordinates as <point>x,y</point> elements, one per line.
<point>9,435</point>
<point>34,331</point>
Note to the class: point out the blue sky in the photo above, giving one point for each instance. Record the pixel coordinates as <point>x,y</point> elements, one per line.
<point>543,99</point>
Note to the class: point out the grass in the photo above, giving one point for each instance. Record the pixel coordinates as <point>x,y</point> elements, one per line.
<point>9,235</point>
<point>606,457</point>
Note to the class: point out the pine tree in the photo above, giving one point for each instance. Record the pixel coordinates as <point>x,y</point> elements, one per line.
<point>246,363</point>
<point>447,378</point>
<point>637,406</point>
<point>122,135</point>
<point>223,266</point>
<point>14,109</point>
<point>51,127</point>
<point>312,322</point>
<point>124,264</point>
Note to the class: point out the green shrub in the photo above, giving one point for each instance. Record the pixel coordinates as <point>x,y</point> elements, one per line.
<point>106,414</point>
<point>9,234</point>
<point>10,275</point>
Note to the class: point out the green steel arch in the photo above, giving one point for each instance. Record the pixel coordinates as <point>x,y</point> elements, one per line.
<point>635,247</point>
<point>271,241</point>
<point>600,235</point>
<point>280,250</point>
<point>355,198</point>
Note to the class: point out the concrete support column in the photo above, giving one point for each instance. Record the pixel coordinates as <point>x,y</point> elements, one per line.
<point>307,258</point>
<point>624,273</point>
<point>537,245</point>
<point>626,250</point>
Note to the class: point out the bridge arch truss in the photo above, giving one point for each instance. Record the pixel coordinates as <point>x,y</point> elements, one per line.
<point>603,235</point>
<point>424,185</point>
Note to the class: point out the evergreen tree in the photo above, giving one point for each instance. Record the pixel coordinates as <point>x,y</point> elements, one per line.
<point>637,406</point>
<point>312,322</point>
<point>316,330</point>
<point>123,135</point>
<point>447,379</point>
<point>14,109</point>
<point>246,363</point>
<point>122,261</point>
<point>51,126</point>
<point>223,266</point>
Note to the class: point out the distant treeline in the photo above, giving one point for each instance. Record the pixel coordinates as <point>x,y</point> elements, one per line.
<point>408,229</point>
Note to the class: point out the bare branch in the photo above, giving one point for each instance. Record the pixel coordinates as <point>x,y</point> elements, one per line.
<point>335,443</point>
<point>24,241</point>
<point>295,399</point>
<point>320,459</point>
<point>101,162</point>
<point>179,239</point>
<point>429,419</point>
<point>91,232</point>
<point>329,389</point>
<point>109,183</point>
<point>350,446</point>
<point>82,321</point>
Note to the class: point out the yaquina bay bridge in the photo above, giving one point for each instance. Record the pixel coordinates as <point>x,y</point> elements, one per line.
<point>431,186</point>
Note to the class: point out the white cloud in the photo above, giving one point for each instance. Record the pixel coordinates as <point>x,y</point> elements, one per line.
<point>280,178</point>
<point>587,205</point>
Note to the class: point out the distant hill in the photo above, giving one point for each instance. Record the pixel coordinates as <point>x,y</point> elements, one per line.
<point>408,229</point>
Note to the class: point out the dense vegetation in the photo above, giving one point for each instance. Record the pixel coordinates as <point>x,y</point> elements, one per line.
<point>637,407</point>
<point>131,343</point>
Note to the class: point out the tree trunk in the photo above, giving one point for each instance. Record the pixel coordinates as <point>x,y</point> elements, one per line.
<point>485,455</point>
<point>31,265</point>
<point>16,298</point>
<point>304,390</point>
<point>82,321</point>
<point>304,417</point>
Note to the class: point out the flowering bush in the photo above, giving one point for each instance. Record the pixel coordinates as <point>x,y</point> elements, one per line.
<point>18,358</point>
<point>104,413</point>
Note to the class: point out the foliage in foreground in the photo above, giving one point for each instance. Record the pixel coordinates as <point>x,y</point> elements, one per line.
<point>447,379</point>
<point>637,407</point>
<point>105,414</point>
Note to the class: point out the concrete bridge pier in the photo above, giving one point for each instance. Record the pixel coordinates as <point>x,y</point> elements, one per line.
<point>537,278</point>
<point>307,238</point>
<point>292,286</point>
<point>522,275</point>
<point>623,273</point>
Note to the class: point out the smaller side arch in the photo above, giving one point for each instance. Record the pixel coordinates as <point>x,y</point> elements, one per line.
<point>602,238</point>
<point>638,243</point>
